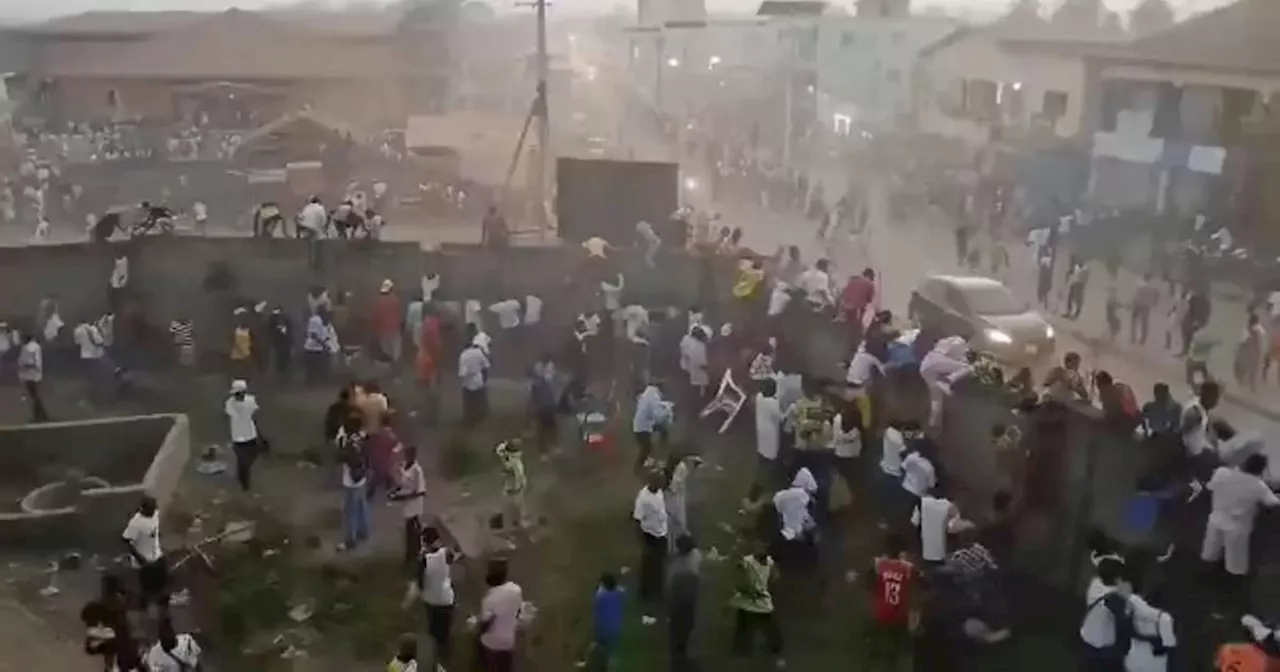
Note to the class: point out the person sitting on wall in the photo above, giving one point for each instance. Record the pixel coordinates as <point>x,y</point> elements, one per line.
<point>266,218</point>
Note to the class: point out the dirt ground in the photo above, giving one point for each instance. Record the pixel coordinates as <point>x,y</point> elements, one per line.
<point>352,602</point>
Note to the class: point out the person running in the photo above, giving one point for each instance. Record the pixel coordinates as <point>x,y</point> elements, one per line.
<point>435,588</point>
<point>752,603</point>
<point>411,492</point>
<point>893,578</point>
<point>1237,495</point>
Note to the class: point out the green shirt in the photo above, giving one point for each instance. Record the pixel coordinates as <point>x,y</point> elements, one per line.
<point>512,472</point>
<point>812,417</point>
<point>752,593</point>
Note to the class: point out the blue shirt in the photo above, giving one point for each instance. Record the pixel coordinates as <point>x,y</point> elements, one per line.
<point>651,411</point>
<point>607,615</point>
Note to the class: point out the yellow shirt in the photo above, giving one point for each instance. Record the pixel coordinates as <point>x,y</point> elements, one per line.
<point>749,278</point>
<point>241,343</point>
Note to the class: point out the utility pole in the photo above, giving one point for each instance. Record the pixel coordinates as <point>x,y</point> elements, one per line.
<point>538,113</point>
<point>544,122</point>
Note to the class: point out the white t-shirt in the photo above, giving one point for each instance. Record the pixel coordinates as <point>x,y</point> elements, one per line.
<point>863,366</point>
<point>918,475</point>
<point>1149,622</point>
<point>430,283</point>
<point>792,505</point>
<point>532,309</point>
<point>933,517</point>
<point>120,273</point>
<point>1236,498</point>
<point>199,211</point>
<point>240,412</point>
<point>816,285</point>
<point>845,444</point>
<point>89,339</point>
<point>313,217</point>
<point>143,534</point>
<point>650,512</point>
<point>891,453</point>
<point>413,482</point>
<point>1274,301</point>
<point>596,247</point>
<point>1098,629</point>
<point>508,313</point>
<point>636,319</point>
<point>437,582</point>
<point>612,295</point>
<point>778,300</point>
<point>183,658</point>
<point>501,606</point>
<point>768,426</point>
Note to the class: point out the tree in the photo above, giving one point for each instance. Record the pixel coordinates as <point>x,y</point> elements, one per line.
<point>1150,16</point>
<point>1079,15</point>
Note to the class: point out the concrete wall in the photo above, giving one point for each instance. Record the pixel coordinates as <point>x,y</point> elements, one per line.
<point>168,276</point>
<point>136,456</point>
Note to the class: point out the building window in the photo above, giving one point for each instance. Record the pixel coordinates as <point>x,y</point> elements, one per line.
<point>1055,105</point>
<point>896,37</point>
<point>848,39</point>
<point>892,76</point>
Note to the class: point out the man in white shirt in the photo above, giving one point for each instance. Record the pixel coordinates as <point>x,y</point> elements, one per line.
<point>142,539</point>
<point>532,310</point>
<point>31,374</point>
<point>473,378</point>
<point>500,612</point>
<point>92,354</point>
<point>792,505</point>
<point>508,313</point>
<point>936,517</point>
<point>200,213</point>
<point>650,514</point>
<point>1237,494</point>
<point>1106,605</point>
<point>241,407</point>
<point>816,284</point>
<point>918,474</point>
<point>435,588</point>
<point>768,431</point>
<point>411,492</point>
<point>313,220</point>
<point>1198,435</point>
<point>611,293</point>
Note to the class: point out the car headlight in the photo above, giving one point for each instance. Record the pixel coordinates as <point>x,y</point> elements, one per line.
<point>998,337</point>
<point>1048,331</point>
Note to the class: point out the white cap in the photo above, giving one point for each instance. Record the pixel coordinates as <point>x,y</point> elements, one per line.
<point>239,386</point>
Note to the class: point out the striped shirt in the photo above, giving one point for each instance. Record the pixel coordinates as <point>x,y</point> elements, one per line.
<point>183,333</point>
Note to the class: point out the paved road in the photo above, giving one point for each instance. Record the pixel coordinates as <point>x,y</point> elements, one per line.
<point>904,253</point>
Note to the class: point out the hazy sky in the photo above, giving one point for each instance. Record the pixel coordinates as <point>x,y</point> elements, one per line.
<point>22,9</point>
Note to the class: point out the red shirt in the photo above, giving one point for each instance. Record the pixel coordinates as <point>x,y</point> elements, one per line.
<point>386,314</point>
<point>857,294</point>
<point>893,590</point>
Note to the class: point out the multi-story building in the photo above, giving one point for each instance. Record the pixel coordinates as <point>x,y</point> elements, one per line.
<point>865,65</point>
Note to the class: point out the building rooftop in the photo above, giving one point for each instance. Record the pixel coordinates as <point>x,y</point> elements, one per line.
<point>227,45</point>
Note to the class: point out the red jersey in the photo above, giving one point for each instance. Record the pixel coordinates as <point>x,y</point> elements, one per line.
<point>893,590</point>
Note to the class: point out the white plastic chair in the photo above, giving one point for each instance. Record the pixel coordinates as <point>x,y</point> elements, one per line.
<point>729,398</point>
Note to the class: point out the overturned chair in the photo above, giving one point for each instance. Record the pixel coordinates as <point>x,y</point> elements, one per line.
<point>729,399</point>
